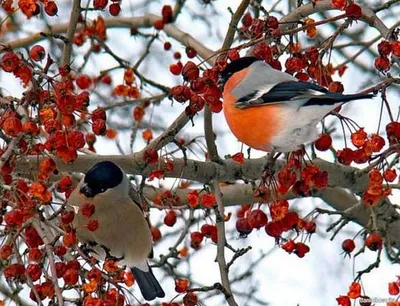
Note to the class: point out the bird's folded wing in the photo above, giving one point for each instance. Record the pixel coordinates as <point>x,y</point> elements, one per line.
<point>283,93</point>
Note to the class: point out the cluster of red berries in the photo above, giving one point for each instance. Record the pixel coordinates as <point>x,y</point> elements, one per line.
<point>167,17</point>
<point>300,178</point>
<point>114,7</point>
<point>30,7</point>
<point>95,29</point>
<point>385,49</point>
<point>365,146</point>
<point>283,220</point>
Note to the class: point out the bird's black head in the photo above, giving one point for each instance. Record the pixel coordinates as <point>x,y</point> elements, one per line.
<point>100,177</point>
<point>234,67</point>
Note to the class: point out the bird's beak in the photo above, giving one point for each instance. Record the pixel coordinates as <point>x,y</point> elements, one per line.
<point>87,191</point>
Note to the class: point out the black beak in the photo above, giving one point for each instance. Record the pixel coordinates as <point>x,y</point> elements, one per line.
<point>87,191</point>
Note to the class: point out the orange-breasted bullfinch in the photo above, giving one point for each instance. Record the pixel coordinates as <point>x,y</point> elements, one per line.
<point>271,110</point>
<point>123,231</point>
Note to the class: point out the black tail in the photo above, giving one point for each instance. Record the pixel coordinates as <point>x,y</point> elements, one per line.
<point>148,284</point>
<point>333,98</point>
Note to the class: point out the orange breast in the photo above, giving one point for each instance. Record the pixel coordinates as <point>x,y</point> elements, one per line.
<point>254,126</point>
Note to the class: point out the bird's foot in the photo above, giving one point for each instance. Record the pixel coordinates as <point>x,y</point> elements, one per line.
<point>269,167</point>
<point>109,256</point>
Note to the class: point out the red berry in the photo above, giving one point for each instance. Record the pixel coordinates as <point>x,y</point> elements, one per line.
<point>12,126</point>
<point>155,233</point>
<point>176,68</point>
<point>348,246</point>
<point>114,9</point>
<point>167,46</point>
<point>99,127</point>
<point>301,249</point>
<point>177,55</point>
<point>257,218</point>
<point>374,242</point>
<point>51,8</point>
<point>170,218</point>
<point>323,143</point>
<point>37,53</point>
<point>83,81</point>
<point>9,62</point>
<point>190,71</point>
<point>195,240</point>
<point>158,24</point>
<point>345,156</point>
<point>67,217</point>
<point>100,4</point>
<point>181,285</point>
<point>167,14</point>
<point>190,52</point>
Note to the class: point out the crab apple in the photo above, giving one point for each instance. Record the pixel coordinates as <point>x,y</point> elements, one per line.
<point>323,143</point>
<point>374,242</point>
<point>114,9</point>
<point>167,14</point>
<point>176,68</point>
<point>243,227</point>
<point>190,52</point>
<point>195,240</point>
<point>6,251</point>
<point>348,246</point>
<point>181,285</point>
<point>51,8</point>
<point>382,63</point>
<point>384,48</point>
<point>345,156</point>
<point>60,250</point>
<point>257,218</point>
<point>100,4</point>
<point>359,137</point>
<point>12,126</point>
<point>177,55</point>
<point>301,249</point>
<point>190,71</point>
<point>170,218</point>
<point>159,24</point>
<point>167,46</point>
<point>393,288</point>
<point>190,299</point>
<point>35,255</point>
<point>37,53</point>
<point>99,127</point>
<point>9,62</point>
<point>390,175</point>
<point>289,246</point>
<point>14,217</point>
<point>155,234</point>
<point>34,271</point>
<point>83,81</point>
<point>274,229</point>
<point>67,216</point>
<point>70,277</point>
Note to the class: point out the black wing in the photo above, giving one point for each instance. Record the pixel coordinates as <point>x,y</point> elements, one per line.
<point>310,93</point>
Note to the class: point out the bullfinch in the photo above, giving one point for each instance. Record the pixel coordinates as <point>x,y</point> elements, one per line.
<point>270,110</point>
<point>123,231</point>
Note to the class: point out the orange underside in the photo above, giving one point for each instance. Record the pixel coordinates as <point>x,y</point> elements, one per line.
<point>254,126</point>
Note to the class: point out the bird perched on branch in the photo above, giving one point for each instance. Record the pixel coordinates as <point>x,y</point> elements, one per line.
<point>123,231</point>
<point>271,110</point>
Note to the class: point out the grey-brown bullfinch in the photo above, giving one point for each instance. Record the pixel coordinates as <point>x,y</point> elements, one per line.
<point>271,110</point>
<point>123,231</point>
